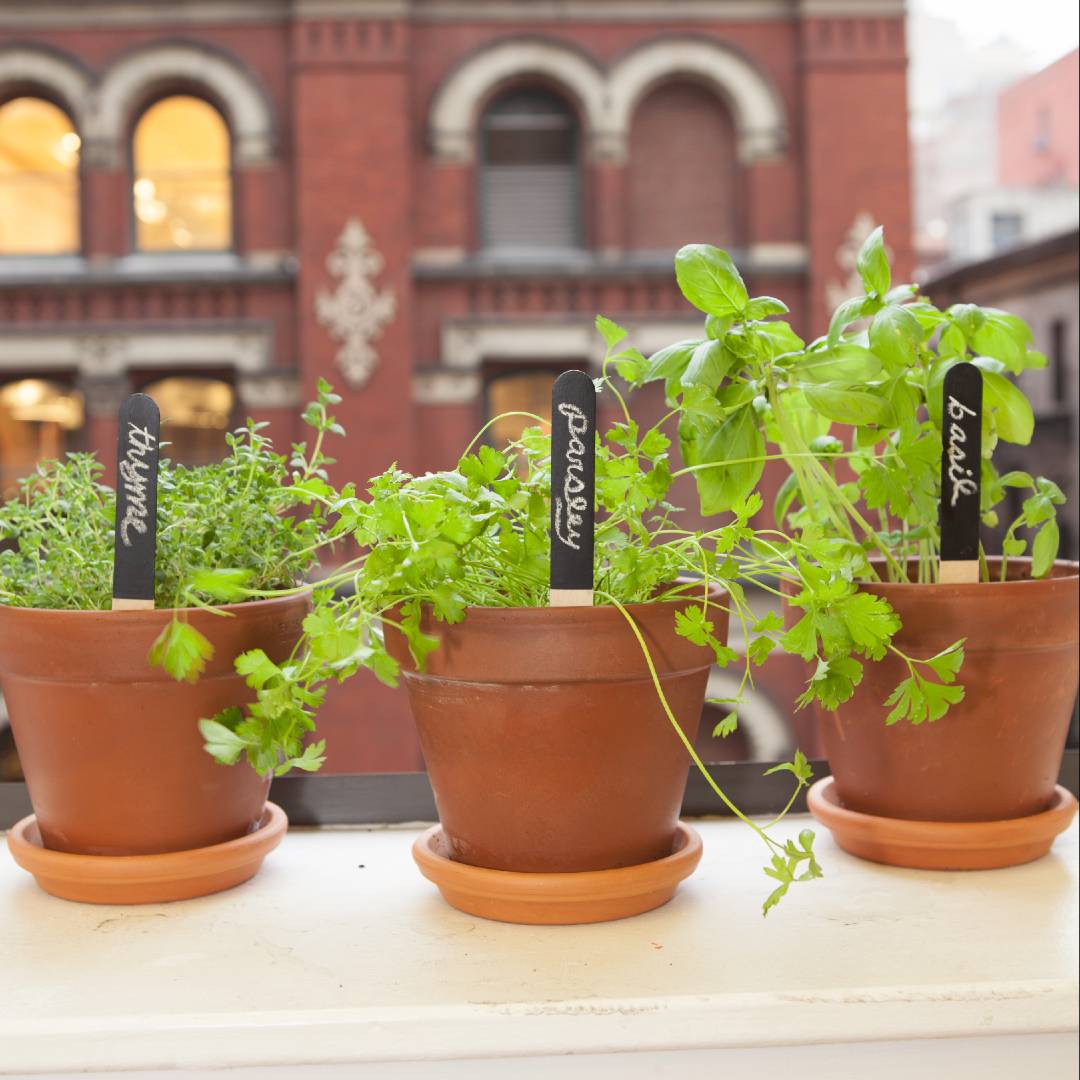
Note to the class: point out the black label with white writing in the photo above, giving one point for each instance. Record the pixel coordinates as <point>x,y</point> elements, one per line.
<point>961,460</point>
<point>136,499</point>
<point>573,480</point>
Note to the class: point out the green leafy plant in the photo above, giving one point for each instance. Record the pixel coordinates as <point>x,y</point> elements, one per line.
<point>867,396</point>
<point>247,527</point>
<point>856,416</point>
<point>477,535</point>
<point>748,391</point>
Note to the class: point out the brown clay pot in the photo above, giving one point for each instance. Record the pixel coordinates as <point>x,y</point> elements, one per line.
<point>546,744</point>
<point>110,746</point>
<point>994,756</point>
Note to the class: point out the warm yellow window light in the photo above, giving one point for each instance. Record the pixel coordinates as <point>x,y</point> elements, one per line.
<point>195,412</point>
<point>37,420</point>
<point>39,179</point>
<point>182,192</point>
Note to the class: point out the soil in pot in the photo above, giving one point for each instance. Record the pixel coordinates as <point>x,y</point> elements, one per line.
<point>110,746</point>
<point>546,744</point>
<point>994,756</point>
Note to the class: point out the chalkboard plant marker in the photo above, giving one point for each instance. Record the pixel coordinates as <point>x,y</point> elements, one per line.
<point>135,546</point>
<point>573,489</point>
<point>961,461</point>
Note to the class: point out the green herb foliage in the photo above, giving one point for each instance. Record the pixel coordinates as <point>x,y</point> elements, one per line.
<point>247,527</point>
<point>868,394</point>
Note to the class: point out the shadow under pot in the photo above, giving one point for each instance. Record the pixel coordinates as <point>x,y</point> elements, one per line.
<point>110,746</point>
<point>551,758</point>
<point>976,789</point>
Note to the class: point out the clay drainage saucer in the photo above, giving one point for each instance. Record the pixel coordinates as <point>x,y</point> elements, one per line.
<point>146,879</point>
<point>556,899</point>
<point>941,845</point>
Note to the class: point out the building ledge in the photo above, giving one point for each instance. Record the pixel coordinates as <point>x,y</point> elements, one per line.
<point>454,264</point>
<point>339,952</point>
<point>211,268</point>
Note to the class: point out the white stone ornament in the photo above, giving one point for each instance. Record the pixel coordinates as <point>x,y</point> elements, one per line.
<point>356,312</point>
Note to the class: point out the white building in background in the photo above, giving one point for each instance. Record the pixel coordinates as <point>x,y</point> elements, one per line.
<point>993,163</point>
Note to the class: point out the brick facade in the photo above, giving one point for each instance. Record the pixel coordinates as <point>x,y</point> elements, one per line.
<point>765,126</point>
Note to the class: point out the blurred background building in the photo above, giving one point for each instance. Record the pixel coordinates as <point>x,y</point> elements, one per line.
<point>996,159</point>
<point>427,201</point>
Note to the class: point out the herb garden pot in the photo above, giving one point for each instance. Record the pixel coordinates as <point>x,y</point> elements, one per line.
<point>993,758</point>
<point>547,746</point>
<point>110,747</point>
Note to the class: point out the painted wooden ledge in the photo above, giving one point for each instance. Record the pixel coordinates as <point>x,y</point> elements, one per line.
<point>339,952</point>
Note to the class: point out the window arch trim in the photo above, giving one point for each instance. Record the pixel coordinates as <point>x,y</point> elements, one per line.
<point>53,76</point>
<point>471,88</point>
<point>756,107</point>
<point>133,84</point>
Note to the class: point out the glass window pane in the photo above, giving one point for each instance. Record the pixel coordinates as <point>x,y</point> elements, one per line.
<point>518,391</point>
<point>182,190</point>
<point>39,420</point>
<point>39,179</point>
<point>195,414</point>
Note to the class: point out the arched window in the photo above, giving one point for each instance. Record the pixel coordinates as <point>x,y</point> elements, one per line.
<point>683,170</point>
<point>38,419</point>
<point>39,179</point>
<point>182,189</point>
<point>195,414</point>
<point>530,192</point>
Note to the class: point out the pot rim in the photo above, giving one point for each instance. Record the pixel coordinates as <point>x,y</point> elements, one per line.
<point>150,614</point>
<point>973,588</point>
<point>594,611</point>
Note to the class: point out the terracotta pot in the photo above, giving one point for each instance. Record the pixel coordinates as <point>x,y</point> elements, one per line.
<point>993,757</point>
<point>546,744</point>
<point>110,746</point>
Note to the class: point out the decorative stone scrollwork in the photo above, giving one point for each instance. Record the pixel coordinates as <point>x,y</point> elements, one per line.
<point>355,313</point>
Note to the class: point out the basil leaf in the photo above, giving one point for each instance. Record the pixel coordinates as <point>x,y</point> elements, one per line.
<point>709,280</point>
<point>670,362</point>
<point>895,334</point>
<point>873,264</point>
<point>848,312</point>
<point>761,307</point>
<point>739,440</point>
<point>841,363</point>
<point>1001,341</point>
<point>1013,417</point>
<point>845,406</point>
<point>709,363</point>
<point>1044,549</point>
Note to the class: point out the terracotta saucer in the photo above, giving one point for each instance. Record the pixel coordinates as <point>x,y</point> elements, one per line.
<point>941,845</point>
<point>556,899</point>
<point>146,879</point>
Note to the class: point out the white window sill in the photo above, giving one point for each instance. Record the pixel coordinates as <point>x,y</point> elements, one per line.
<point>320,962</point>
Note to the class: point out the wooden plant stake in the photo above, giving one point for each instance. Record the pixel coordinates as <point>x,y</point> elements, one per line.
<point>136,504</point>
<point>961,460</point>
<point>573,489</point>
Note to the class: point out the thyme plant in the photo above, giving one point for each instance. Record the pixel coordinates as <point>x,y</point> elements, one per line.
<point>249,518</point>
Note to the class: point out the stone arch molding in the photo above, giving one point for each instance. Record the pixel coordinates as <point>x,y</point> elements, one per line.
<point>755,105</point>
<point>126,82</point>
<point>608,99</point>
<point>457,102</point>
<point>59,76</point>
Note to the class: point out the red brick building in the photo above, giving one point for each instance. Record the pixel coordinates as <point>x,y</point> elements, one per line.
<point>425,201</point>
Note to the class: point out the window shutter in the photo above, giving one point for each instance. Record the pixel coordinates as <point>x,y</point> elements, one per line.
<point>529,207</point>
